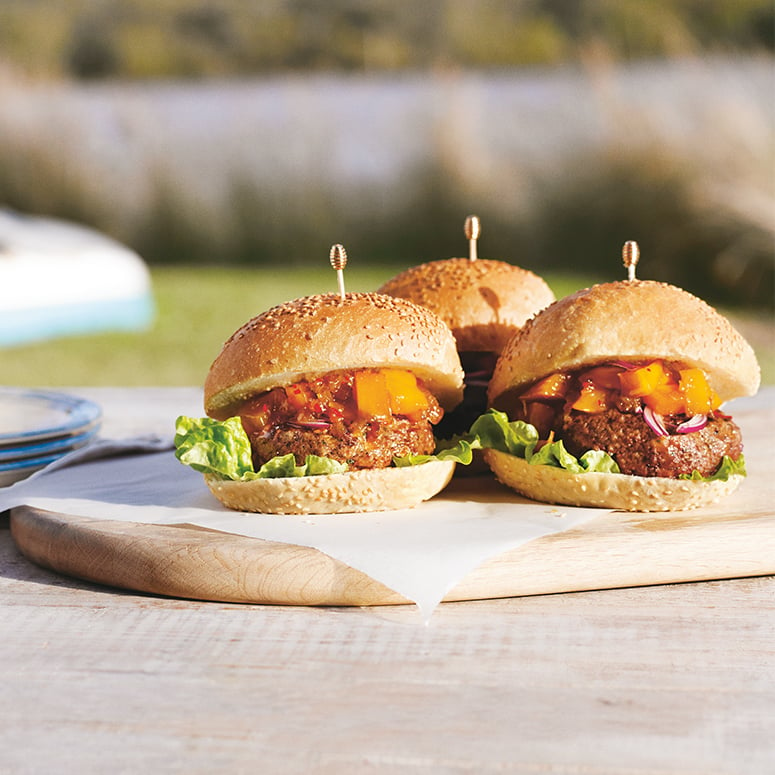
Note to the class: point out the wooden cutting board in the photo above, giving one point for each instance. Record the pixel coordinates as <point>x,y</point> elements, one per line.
<point>615,550</point>
<point>734,539</point>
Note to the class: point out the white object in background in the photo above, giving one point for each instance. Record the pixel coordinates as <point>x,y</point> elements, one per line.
<point>60,279</point>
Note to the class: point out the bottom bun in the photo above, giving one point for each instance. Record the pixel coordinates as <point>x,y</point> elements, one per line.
<point>611,491</point>
<point>374,489</point>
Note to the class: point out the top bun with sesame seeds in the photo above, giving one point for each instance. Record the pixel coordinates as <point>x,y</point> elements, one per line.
<point>314,335</point>
<point>485,302</point>
<point>636,320</point>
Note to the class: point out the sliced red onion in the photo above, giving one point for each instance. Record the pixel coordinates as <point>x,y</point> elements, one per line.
<point>695,423</point>
<point>654,421</point>
<point>310,424</point>
<point>624,365</point>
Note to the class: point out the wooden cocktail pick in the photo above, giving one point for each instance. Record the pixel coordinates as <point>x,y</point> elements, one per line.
<point>473,228</point>
<point>338,258</point>
<point>630,256</point>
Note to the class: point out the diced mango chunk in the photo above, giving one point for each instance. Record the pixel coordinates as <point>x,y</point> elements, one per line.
<point>371,394</point>
<point>665,400</point>
<point>554,386</point>
<point>405,396</point>
<point>592,399</point>
<point>644,380</point>
<point>298,395</point>
<point>696,391</point>
<point>603,376</point>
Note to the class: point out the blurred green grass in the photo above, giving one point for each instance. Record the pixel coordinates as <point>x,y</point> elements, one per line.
<point>198,308</point>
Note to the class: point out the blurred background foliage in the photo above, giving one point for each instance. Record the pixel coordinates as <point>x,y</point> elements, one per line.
<point>688,173</point>
<point>93,39</point>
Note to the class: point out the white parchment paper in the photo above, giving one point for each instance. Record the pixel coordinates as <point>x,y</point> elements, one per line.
<point>420,553</point>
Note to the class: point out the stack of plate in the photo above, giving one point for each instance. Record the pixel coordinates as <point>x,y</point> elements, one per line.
<point>37,427</point>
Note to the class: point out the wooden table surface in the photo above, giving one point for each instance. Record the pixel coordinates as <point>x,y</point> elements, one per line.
<point>664,679</point>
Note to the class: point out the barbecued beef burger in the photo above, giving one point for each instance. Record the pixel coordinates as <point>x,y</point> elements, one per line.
<point>638,370</point>
<point>485,302</point>
<point>358,380</point>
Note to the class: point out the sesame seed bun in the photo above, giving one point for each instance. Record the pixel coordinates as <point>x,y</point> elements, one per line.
<point>612,491</point>
<point>484,302</point>
<point>315,335</point>
<point>634,320</point>
<point>375,489</point>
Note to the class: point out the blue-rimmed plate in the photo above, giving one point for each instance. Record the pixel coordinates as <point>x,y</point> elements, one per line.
<point>32,416</point>
<point>13,472</point>
<point>56,446</point>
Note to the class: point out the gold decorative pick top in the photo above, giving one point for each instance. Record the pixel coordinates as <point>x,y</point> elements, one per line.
<point>630,256</point>
<point>338,258</point>
<point>473,229</point>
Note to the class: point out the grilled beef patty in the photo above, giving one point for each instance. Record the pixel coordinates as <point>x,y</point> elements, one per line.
<point>639,451</point>
<point>359,444</point>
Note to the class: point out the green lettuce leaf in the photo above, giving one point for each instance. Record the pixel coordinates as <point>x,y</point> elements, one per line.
<point>223,448</point>
<point>214,446</point>
<point>599,462</point>
<point>727,468</point>
<point>285,465</point>
<point>555,454</point>
<point>460,450</point>
<point>493,430</point>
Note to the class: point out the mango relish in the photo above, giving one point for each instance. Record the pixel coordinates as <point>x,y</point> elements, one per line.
<point>343,397</point>
<point>657,387</point>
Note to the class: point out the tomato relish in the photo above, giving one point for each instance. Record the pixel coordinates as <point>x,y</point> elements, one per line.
<point>665,388</point>
<point>341,398</point>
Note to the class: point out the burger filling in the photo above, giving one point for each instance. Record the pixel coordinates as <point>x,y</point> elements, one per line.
<point>478,366</point>
<point>654,419</point>
<point>363,418</point>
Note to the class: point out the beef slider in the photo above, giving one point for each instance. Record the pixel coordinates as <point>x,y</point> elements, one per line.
<point>640,370</point>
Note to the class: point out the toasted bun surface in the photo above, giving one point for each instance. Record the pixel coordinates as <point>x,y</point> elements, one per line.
<point>484,302</point>
<point>318,334</point>
<point>611,491</point>
<point>633,320</point>
<point>376,489</point>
